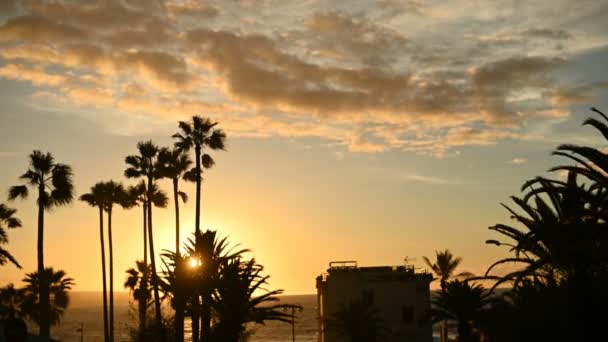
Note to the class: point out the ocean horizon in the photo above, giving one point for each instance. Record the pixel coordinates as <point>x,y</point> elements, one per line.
<point>86,311</point>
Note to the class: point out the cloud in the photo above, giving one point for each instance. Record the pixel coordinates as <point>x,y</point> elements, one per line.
<point>39,29</point>
<point>353,75</point>
<point>427,179</point>
<point>518,161</point>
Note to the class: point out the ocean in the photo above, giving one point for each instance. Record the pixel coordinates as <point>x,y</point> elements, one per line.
<point>85,310</point>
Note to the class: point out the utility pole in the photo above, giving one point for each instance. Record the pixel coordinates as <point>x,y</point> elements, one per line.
<point>293,309</point>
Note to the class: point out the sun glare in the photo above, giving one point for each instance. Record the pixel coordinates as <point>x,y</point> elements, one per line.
<point>194,262</point>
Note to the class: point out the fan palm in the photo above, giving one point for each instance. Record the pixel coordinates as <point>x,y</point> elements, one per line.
<point>358,321</point>
<point>115,194</point>
<point>145,165</point>
<point>178,284</point>
<point>97,197</point>
<point>462,302</point>
<point>212,253</point>
<point>7,218</point>
<point>11,302</point>
<point>59,285</point>
<point>138,194</point>
<point>175,164</point>
<point>240,299</point>
<point>445,266</point>
<point>54,184</point>
<point>199,133</point>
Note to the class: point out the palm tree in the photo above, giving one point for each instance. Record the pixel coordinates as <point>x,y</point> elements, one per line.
<point>145,165</point>
<point>7,218</point>
<point>59,285</point>
<point>11,302</point>
<point>178,284</point>
<point>212,253</point>
<point>463,303</point>
<point>116,194</point>
<point>54,184</point>
<point>445,266</point>
<point>97,197</point>
<point>138,194</point>
<point>358,321</point>
<point>175,164</point>
<point>241,299</point>
<point>200,133</point>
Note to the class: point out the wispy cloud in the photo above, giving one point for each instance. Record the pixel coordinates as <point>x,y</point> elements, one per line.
<point>428,179</point>
<point>518,161</point>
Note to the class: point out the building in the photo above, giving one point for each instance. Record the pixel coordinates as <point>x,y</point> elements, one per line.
<point>400,295</point>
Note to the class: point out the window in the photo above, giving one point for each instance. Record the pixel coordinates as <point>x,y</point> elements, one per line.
<point>407,314</point>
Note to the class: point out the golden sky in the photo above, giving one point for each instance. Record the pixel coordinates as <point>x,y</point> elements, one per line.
<point>365,130</point>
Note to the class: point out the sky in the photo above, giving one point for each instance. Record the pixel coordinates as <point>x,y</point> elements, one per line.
<point>357,130</point>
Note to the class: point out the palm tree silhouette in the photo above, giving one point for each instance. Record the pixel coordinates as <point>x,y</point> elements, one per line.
<point>7,218</point>
<point>115,194</point>
<point>54,184</point>
<point>462,302</point>
<point>175,164</point>
<point>241,299</point>
<point>200,133</point>
<point>138,194</point>
<point>59,285</point>
<point>212,253</point>
<point>97,197</point>
<point>358,321</point>
<point>145,165</point>
<point>11,302</point>
<point>445,266</point>
<point>178,283</point>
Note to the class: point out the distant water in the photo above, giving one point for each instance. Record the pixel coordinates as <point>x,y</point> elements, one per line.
<point>86,310</point>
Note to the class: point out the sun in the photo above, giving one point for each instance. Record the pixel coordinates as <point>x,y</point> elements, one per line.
<point>194,262</point>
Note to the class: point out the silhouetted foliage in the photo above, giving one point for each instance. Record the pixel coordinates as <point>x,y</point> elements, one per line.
<point>59,285</point>
<point>53,181</point>
<point>358,321</point>
<point>445,266</point>
<point>11,302</point>
<point>8,220</point>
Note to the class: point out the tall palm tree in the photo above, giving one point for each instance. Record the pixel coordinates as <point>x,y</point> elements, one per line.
<point>445,266</point>
<point>241,299</point>
<point>138,194</point>
<point>7,218</point>
<point>54,184</point>
<point>116,194</point>
<point>212,252</point>
<point>59,285</point>
<point>97,197</point>
<point>175,164</point>
<point>145,165</point>
<point>358,321</point>
<point>199,133</point>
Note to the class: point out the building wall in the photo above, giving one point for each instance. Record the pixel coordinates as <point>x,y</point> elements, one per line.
<point>401,297</point>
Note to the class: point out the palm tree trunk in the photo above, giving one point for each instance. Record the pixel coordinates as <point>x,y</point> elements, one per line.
<point>152,261</point>
<point>103,276</point>
<point>206,317</point>
<point>196,306</point>
<point>143,300</point>
<point>197,218</point>
<point>43,290</point>
<point>111,275</point>
<point>197,226</point>
<point>179,308</point>
<point>175,191</point>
